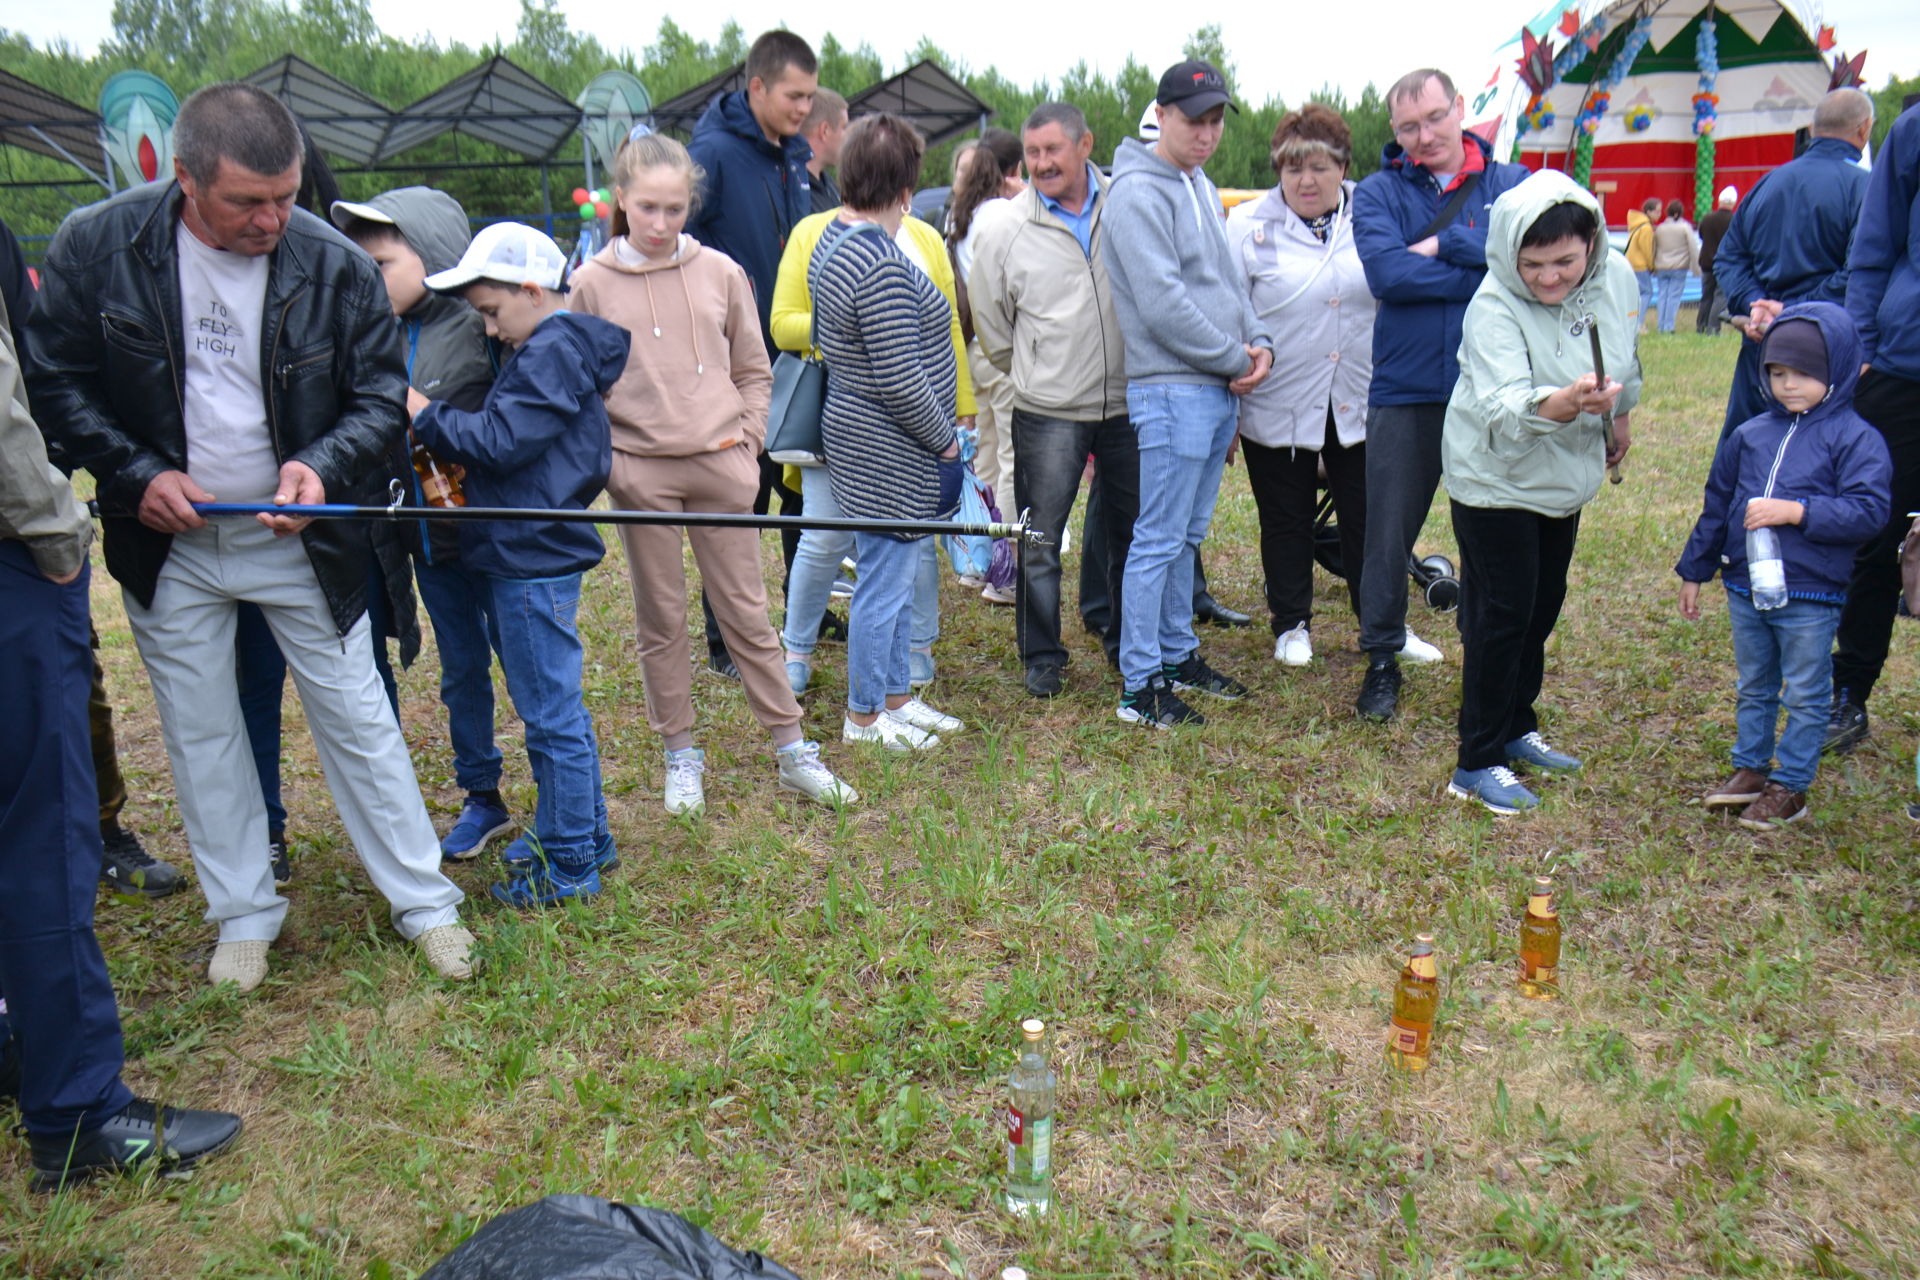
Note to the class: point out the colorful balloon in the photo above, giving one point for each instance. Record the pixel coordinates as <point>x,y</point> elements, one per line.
<point>581,195</point>
<point>586,208</point>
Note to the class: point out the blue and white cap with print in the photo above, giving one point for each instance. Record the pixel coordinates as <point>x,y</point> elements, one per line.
<point>506,253</point>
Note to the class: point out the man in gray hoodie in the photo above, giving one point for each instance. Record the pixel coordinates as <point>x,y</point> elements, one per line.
<point>1193,347</point>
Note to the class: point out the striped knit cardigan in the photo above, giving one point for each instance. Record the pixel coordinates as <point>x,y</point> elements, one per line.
<point>883,328</point>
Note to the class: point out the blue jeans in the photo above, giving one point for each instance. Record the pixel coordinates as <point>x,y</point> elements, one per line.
<point>1645,280</point>
<point>879,624</point>
<point>1671,285</point>
<point>541,655</point>
<point>1184,431</point>
<point>817,563</point>
<point>1785,657</point>
<point>460,607</point>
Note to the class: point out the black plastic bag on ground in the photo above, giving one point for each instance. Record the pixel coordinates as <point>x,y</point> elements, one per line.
<point>587,1238</point>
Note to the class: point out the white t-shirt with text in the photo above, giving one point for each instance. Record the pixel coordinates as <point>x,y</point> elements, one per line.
<point>222,297</point>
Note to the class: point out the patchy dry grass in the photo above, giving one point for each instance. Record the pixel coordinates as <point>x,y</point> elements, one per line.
<point>793,1026</point>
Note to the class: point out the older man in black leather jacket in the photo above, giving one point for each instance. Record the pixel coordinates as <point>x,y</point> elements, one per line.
<point>205,340</point>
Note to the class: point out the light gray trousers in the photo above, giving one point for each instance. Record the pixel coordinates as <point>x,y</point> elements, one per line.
<point>186,640</point>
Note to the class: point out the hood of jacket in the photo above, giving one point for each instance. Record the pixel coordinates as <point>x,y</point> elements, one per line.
<point>611,258</point>
<point>603,345</point>
<point>1843,358</point>
<point>1518,210</point>
<point>1636,220</point>
<point>732,113</point>
<point>1394,156</point>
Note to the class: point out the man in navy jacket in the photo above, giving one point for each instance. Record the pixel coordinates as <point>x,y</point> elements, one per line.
<point>1789,238</point>
<point>1423,274</point>
<point>1883,296</point>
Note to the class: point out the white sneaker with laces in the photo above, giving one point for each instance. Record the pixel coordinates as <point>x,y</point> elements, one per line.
<point>801,770</point>
<point>1416,650</point>
<point>685,791</point>
<point>888,732</point>
<point>1294,647</point>
<point>921,716</point>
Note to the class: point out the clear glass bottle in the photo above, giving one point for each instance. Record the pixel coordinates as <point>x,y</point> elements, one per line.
<point>1540,944</point>
<point>1766,572</point>
<point>1030,1092</point>
<point>1416,999</point>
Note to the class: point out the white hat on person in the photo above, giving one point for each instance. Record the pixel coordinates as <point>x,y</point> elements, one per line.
<point>1729,196</point>
<point>506,253</point>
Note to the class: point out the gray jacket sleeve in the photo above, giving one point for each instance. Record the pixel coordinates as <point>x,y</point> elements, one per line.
<point>37,505</point>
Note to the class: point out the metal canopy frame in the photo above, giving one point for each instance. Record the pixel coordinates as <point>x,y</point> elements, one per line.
<point>498,102</point>
<point>683,110</point>
<point>45,123</point>
<point>939,105</point>
<point>342,120</point>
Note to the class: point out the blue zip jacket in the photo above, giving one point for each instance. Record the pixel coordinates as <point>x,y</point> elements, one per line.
<point>1883,271</point>
<point>1416,331</point>
<point>1789,236</point>
<point>540,440</point>
<point>755,191</point>
<point>1827,458</point>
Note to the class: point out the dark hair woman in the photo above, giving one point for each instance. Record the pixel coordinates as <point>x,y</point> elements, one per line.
<point>989,178</point>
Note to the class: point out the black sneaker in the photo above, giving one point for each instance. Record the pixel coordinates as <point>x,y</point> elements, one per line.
<point>1043,680</point>
<point>1196,675</point>
<point>130,869</point>
<point>140,1133</point>
<point>1846,724</point>
<point>1379,692</point>
<point>1156,706</point>
<point>282,863</point>
<point>720,662</point>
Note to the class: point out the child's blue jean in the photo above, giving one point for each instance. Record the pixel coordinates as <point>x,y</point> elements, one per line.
<point>541,655</point>
<point>881,617</point>
<point>1784,657</point>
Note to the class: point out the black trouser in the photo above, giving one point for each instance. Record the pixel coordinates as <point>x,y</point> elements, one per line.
<point>1513,580</point>
<point>1705,321</point>
<point>772,481</point>
<point>1285,486</point>
<point>1892,405</point>
<point>1403,470</point>
<point>1096,601</point>
<point>1048,456</point>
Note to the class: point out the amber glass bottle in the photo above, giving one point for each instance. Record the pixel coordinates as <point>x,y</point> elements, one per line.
<point>1416,997</point>
<point>439,481</point>
<point>1540,944</point>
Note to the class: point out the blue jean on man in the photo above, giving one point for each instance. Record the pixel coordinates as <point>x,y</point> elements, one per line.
<point>817,563</point>
<point>59,997</point>
<point>1184,430</point>
<point>460,607</point>
<point>1671,284</point>
<point>1785,658</point>
<point>881,621</point>
<point>541,655</point>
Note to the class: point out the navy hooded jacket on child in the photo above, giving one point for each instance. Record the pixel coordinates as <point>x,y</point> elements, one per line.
<point>1827,458</point>
<point>541,440</point>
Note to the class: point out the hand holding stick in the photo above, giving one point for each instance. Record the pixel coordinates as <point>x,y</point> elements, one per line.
<point>1590,325</point>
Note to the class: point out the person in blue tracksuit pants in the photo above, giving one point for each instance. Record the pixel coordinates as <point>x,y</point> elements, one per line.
<point>1789,239</point>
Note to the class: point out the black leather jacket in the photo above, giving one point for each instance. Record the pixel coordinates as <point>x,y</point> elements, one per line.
<point>106,375</point>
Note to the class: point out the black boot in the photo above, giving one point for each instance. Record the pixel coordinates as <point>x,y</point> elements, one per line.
<point>141,1132</point>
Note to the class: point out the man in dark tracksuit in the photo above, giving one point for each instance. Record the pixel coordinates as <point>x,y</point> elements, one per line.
<point>1423,274</point>
<point>1883,296</point>
<point>1789,238</point>
<point>1713,229</point>
<point>757,187</point>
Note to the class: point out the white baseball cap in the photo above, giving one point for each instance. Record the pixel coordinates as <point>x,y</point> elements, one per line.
<point>506,253</point>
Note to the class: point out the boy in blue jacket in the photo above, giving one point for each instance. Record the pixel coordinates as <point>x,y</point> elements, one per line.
<point>1813,469</point>
<point>540,440</point>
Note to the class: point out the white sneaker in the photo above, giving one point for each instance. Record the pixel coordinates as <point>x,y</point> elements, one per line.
<point>802,771</point>
<point>242,963</point>
<point>1294,647</point>
<point>921,716</point>
<point>998,595</point>
<point>894,735</point>
<point>1417,650</point>
<point>685,792</point>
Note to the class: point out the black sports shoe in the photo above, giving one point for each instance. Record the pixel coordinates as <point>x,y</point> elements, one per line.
<point>1846,724</point>
<point>277,854</point>
<point>1043,680</point>
<point>1380,691</point>
<point>141,1132</point>
<point>1196,675</point>
<point>720,662</point>
<point>129,868</point>
<point>1156,706</point>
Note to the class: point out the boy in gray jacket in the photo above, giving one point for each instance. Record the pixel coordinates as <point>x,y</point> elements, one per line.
<point>1193,346</point>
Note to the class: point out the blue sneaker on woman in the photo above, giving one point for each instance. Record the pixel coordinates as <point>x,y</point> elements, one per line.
<point>1497,790</point>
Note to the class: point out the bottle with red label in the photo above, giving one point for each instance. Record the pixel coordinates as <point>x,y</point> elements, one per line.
<point>1416,998</point>
<point>1540,944</point>
<point>1030,1091</point>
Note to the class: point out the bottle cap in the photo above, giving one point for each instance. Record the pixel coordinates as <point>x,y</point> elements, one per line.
<point>1423,944</point>
<point>1543,884</point>
<point>1033,1028</point>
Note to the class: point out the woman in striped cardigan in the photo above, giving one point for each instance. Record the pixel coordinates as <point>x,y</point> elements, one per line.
<point>888,425</point>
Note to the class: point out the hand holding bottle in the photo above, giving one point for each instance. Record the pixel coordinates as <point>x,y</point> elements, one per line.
<point>1762,512</point>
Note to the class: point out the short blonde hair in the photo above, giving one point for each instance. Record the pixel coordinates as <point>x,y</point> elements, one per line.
<point>652,151</point>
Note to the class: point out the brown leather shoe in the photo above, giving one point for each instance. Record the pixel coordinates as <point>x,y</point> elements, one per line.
<point>1744,787</point>
<point>1775,808</point>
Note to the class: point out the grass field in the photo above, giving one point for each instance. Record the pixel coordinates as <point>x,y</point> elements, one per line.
<point>794,1026</point>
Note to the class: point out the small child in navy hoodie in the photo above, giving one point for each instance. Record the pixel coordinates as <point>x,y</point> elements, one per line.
<point>540,440</point>
<point>1814,470</point>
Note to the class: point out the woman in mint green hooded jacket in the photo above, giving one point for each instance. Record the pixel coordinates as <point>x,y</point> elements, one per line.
<point>1523,451</point>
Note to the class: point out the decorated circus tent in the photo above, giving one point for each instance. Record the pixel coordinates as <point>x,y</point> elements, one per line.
<point>1672,99</point>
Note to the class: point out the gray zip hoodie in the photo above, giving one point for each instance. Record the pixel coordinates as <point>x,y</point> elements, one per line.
<point>1176,285</point>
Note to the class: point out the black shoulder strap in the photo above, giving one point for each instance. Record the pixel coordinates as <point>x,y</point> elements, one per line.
<point>1451,209</point>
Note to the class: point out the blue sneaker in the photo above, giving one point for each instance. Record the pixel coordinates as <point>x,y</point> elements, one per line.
<point>539,886</point>
<point>524,853</point>
<point>1495,788</point>
<point>479,822</point>
<point>1531,750</point>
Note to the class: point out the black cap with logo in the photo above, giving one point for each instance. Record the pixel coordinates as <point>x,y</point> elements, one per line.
<point>1195,87</point>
